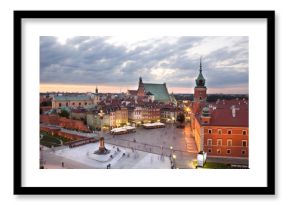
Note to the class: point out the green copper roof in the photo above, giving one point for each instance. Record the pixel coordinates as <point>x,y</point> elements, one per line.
<point>72,98</point>
<point>200,81</point>
<point>159,91</point>
<point>205,111</point>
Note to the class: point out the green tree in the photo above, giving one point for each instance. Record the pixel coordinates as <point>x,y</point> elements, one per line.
<point>64,113</point>
<point>180,118</point>
<point>46,103</point>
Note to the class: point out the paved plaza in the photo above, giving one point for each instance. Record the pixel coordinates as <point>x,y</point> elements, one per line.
<point>160,141</point>
<point>147,148</point>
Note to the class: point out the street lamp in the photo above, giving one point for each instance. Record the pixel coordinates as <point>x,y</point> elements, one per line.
<point>173,161</point>
<point>171,149</point>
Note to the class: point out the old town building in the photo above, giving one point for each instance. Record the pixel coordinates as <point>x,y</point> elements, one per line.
<point>152,92</point>
<point>72,101</point>
<point>169,113</point>
<point>121,116</point>
<point>221,129</point>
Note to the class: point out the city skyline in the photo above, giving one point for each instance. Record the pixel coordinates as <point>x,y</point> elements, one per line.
<point>114,64</point>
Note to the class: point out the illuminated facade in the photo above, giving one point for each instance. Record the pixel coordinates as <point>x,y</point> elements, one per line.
<point>220,128</point>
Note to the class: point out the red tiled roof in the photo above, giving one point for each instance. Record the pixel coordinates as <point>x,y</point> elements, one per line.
<point>79,111</point>
<point>132,92</point>
<point>221,113</point>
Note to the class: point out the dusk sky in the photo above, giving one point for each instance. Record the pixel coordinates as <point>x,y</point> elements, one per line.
<point>115,63</point>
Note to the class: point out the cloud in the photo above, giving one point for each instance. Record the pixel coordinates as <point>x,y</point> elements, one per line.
<point>118,62</point>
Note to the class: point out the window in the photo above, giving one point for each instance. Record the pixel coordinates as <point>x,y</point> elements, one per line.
<point>229,132</point>
<point>86,103</point>
<point>219,142</point>
<point>244,132</point>
<point>209,131</point>
<point>243,152</point>
<point>66,104</point>
<point>244,143</point>
<point>219,131</point>
<point>229,143</point>
<point>218,151</point>
<point>228,151</point>
<point>73,103</point>
<point>80,104</point>
<point>209,150</point>
<point>209,142</point>
<point>59,104</point>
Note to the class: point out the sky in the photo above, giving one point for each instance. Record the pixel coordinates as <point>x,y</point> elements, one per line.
<point>115,63</point>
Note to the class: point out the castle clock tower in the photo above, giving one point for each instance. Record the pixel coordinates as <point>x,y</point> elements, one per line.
<point>199,93</point>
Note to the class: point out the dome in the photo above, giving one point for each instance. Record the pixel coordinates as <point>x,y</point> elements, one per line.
<point>200,81</point>
<point>205,112</point>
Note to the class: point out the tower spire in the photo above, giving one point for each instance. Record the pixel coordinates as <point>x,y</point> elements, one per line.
<point>200,81</point>
<point>200,65</point>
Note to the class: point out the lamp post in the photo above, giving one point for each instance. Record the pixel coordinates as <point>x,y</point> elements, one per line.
<point>41,155</point>
<point>171,151</point>
<point>174,161</point>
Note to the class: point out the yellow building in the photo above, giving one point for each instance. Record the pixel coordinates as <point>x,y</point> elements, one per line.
<point>121,116</point>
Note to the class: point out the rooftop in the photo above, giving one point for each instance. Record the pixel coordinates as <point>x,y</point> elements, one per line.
<point>159,91</point>
<point>229,113</point>
<point>72,97</point>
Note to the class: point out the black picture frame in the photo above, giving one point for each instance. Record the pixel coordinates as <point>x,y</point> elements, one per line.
<point>268,190</point>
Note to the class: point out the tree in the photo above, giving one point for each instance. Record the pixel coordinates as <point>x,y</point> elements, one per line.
<point>46,103</point>
<point>64,113</point>
<point>180,118</point>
